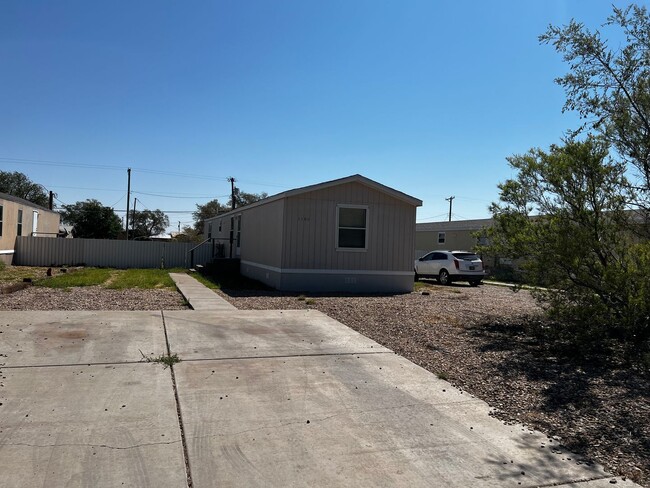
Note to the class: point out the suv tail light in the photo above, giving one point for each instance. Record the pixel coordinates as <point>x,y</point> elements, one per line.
<point>457,263</point>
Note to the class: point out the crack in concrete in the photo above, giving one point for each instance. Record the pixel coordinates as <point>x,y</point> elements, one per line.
<point>571,482</point>
<point>103,446</point>
<point>181,426</point>
<point>71,365</point>
<point>302,422</point>
<point>280,356</point>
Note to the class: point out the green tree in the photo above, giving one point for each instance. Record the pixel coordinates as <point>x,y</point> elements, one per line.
<point>206,211</point>
<point>19,185</point>
<point>242,198</point>
<point>148,223</point>
<point>214,207</point>
<point>189,234</point>
<point>610,88</point>
<point>91,220</point>
<point>564,215</point>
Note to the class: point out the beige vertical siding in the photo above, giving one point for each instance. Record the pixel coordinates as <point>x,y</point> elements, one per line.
<point>454,240</point>
<point>310,231</point>
<point>220,236</point>
<point>48,222</point>
<point>47,226</point>
<point>261,234</point>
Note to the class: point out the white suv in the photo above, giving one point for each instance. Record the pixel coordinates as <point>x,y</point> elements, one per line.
<point>448,266</point>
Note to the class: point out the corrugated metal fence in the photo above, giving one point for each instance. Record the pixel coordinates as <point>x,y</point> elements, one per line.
<point>38,251</point>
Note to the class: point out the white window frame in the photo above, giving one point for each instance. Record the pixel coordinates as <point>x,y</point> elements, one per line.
<point>351,249</point>
<point>444,237</point>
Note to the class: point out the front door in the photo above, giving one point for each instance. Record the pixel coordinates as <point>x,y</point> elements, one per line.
<point>238,239</point>
<point>35,223</point>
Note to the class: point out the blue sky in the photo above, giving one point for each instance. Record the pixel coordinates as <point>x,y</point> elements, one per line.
<point>428,97</point>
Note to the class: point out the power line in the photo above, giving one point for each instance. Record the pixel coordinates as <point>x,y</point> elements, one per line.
<point>173,196</point>
<point>121,198</point>
<point>68,164</point>
<point>163,195</point>
<point>112,167</point>
<point>83,188</point>
<point>45,162</point>
<point>163,211</point>
<point>434,217</point>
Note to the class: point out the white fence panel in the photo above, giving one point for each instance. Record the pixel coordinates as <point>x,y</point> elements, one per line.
<point>35,251</point>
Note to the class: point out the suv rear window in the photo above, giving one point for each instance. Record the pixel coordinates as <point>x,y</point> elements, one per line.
<point>467,256</point>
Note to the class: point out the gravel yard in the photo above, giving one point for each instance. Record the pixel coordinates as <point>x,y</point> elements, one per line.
<point>473,337</point>
<point>92,298</point>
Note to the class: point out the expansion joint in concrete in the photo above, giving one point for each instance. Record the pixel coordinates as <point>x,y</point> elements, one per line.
<point>69,365</point>
<point>280,356</point>
<point>179,414</point>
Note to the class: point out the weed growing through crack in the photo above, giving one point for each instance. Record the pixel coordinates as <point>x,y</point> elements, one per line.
<point>166,359</point>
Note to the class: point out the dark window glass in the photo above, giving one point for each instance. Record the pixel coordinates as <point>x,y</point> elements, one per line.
<point>467,256</point>
<point>355,238</point>
<point>19,227</point>
<point>1,210</point>
<point>352,227</point>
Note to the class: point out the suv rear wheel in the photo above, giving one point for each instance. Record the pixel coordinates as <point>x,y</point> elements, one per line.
<point>443,277</point>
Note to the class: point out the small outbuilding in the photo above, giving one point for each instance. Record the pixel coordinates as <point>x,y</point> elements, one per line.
<point>347,235</point>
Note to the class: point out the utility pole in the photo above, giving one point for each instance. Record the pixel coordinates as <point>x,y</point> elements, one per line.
<point>51,201</point>
<point>179,226</point>
<point>232,219</point>
<point>135,201</point>
<point>450,200</point>
<point>128,201</point>
<point>232,192</point>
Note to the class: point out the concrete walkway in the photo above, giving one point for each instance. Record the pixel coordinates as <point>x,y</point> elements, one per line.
<point>199,296</point>
<point>260,399</point>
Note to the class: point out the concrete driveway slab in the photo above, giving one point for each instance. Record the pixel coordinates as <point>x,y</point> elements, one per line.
<point>366,420</point>
<point>89,426</point>
<point>66,337</point>
<point>261,333</point>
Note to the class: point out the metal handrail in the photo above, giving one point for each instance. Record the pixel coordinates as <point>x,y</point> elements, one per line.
<point>200,244</point>
<point>191,251</point>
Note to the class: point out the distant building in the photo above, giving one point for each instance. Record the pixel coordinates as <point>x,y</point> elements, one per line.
<point>450,236</point>
<point>347,235</point>
<point>19,217</point>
